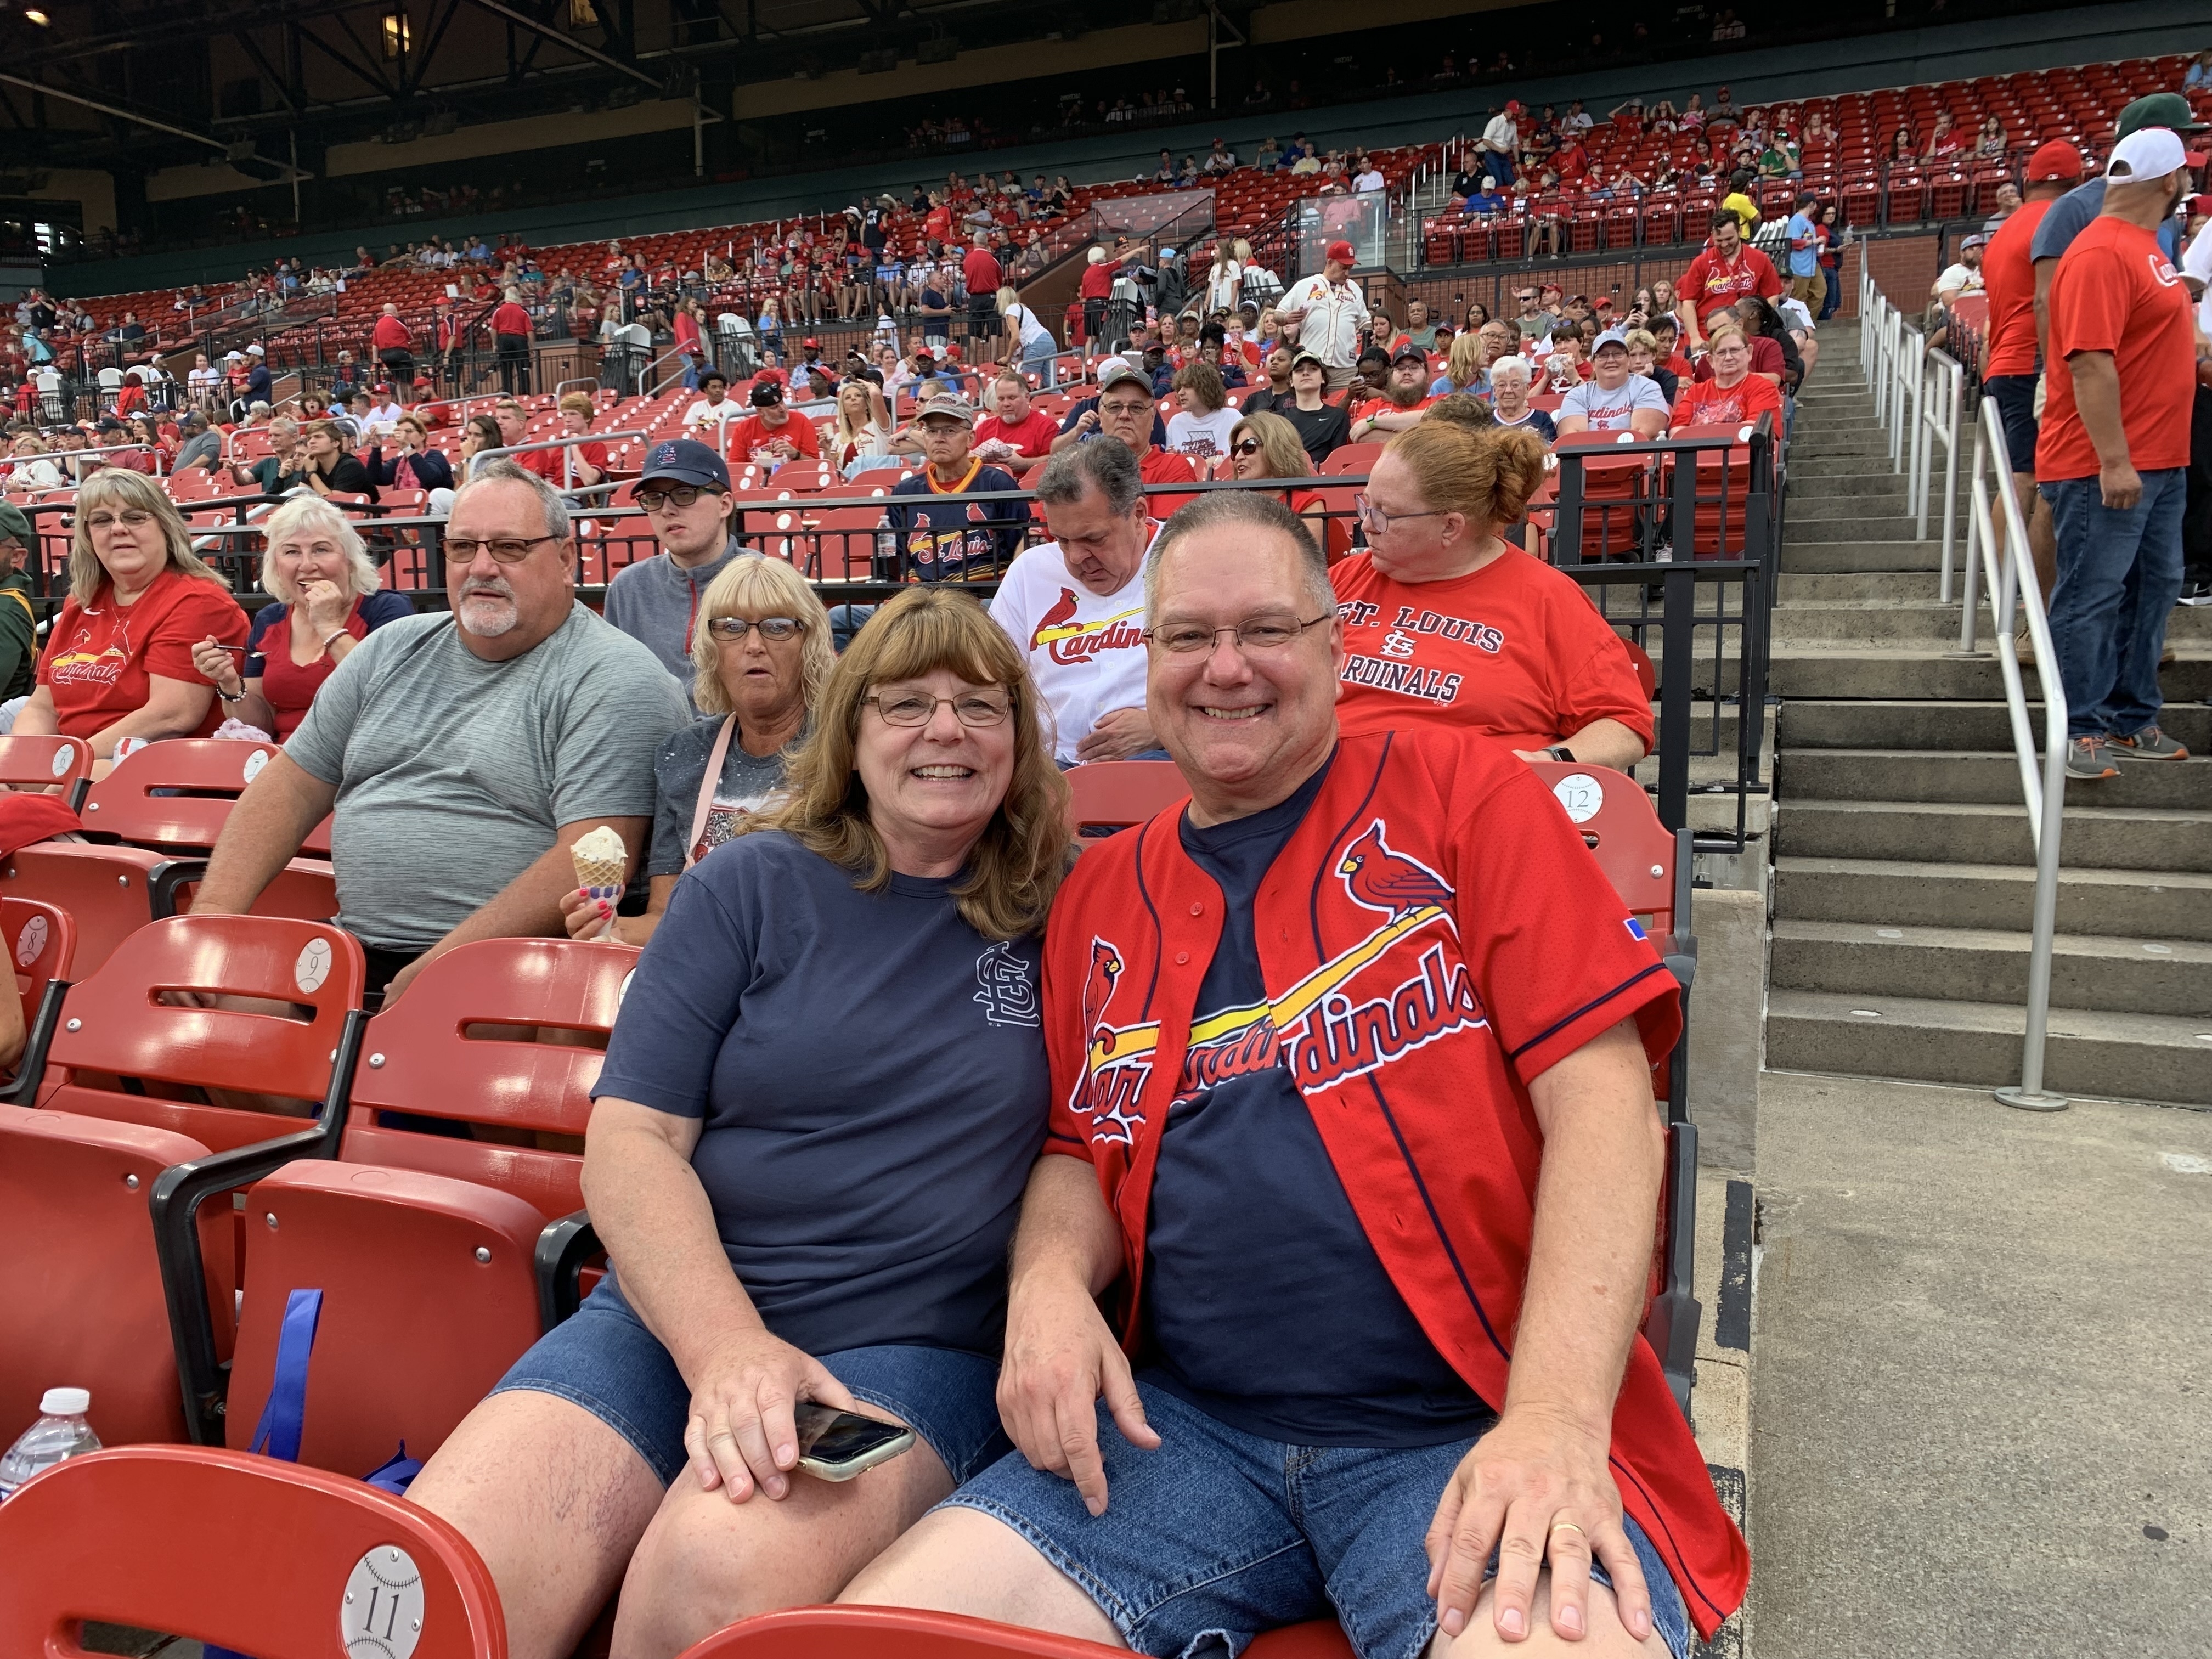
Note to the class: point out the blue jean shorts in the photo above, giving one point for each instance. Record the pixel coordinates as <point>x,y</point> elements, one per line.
<point>605,1360</point>
<point>1220,1534</point>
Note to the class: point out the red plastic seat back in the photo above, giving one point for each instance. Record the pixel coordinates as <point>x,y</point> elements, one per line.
<point>468,1042</point>
<point>83,1306</point>
<point>211,774</point>
<point>223,1547</point>
<point>870,1632</point>
<point>115,1025</point>
<point>1118,794</point>
<point>39,762</point>
<point>1616,821</point>
<point>42,940</point>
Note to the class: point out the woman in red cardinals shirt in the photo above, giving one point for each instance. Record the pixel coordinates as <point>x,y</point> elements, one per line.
<point>1445,622</point>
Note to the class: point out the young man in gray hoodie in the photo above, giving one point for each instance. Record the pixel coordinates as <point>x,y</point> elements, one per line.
<point>685,492</point>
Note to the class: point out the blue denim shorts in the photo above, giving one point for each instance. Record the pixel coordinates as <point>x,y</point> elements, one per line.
<point>605,1360</point>
<point>1220,1534</point>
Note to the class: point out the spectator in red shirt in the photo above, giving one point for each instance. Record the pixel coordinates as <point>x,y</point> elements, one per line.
<point>772,435</point>
<point>1403,402</point>
<point>1126,411</point>
<point>1733,395</point>
<point>118,661</point>
<point>394,344</point>
<point>1017,436</point>
<point>2112,458</point>
<point>2010,359</point>
<point>1096,289</point>
<point>576,465</point>
<point>511,329</point>
<point>1723,273</point>
<point>982,273</point>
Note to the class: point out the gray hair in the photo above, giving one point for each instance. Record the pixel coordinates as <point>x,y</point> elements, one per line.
<point>1248,508</point>
<point>1512,363</point>
<point>1108,467</point>
<point>308,515</point>
<point>504,469</point>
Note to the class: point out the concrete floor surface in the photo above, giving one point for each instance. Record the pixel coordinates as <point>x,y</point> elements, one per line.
<point>1981,1378</point>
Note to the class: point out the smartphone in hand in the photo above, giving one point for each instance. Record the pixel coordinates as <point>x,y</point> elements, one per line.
<point>834,1445</point>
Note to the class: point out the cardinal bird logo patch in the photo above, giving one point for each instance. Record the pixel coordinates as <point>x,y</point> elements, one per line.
<point>1389,882</point>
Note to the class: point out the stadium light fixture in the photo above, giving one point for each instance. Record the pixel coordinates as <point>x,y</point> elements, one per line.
<point>33,15</point>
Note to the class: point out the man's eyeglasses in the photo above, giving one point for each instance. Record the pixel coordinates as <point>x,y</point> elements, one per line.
<point>733,629</point>
<point>681,497</point>
<point>134,517</point>
<point>1271,631</point>
<point>915,708</point>
<point>1377,522</point>
<point>463,549</point>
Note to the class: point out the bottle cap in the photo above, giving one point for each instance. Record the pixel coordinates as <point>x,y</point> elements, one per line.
<point>64,1402</point>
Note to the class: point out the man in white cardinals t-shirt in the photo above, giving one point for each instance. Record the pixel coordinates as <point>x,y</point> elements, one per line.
<point>1075,605</point>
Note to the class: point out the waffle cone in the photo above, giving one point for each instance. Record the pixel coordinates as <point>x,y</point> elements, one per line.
<point>599,872</point>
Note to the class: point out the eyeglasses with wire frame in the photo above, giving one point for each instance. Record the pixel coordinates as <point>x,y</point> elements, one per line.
<point>918,708</point>
<point>1270,631</point>
<point>462,549</point>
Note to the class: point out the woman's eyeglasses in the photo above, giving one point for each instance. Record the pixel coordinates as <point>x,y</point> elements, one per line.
<point>733,629</point>
<point>1249,447</point>
<point>914,708</point>
<point>134,518</point>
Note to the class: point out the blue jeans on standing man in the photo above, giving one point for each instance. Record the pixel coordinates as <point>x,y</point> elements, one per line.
<point>2119,573</point>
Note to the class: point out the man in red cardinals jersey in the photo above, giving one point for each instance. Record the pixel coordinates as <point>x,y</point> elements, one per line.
<point>393,344</point>
<point>1126,412</point>
<point>1723,273</point>
<point>1351,1102</point>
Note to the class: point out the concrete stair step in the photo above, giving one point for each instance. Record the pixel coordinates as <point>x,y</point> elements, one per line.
<point>1990,777</point>
<point>2110,976</point>
<point>1852,528</point>
<point>1812,724</point>
<point>1924,671</point>
<point>1831,588</point>
<point>1806,488</point>
<point>1812,443</point>
<point>1805,469</point>
<point>2143,1057</point>
<point>1895,893</point>
<point>1822,557</point>
<point>1874,620</point>
<point>2136,838</point>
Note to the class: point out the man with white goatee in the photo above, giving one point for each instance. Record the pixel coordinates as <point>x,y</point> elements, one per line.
<point>460,755</point>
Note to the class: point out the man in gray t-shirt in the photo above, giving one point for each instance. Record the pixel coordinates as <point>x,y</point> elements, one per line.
<point>461,755</point>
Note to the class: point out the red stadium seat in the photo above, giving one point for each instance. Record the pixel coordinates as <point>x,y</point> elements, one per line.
<point>222,1547</point>
<point>869,1633</point>
<point>28,763</point>
<point>1350,460</point>
<point>441,1236</point>
<point>43,941</point>
<point>1118,794</point>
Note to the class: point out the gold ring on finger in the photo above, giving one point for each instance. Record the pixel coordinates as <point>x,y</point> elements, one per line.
<point>1558,1527</point>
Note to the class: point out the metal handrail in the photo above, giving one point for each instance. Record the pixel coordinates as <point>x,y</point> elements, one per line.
<point>483,455</point>
<point>1936,420</point>
<point>2011,574</point>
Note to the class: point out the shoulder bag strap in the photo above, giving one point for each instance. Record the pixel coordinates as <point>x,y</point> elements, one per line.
<point>716,756</point>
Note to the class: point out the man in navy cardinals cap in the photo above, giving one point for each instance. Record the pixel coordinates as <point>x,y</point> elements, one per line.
<point>685,492</point>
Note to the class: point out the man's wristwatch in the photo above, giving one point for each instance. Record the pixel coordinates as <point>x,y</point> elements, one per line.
<point>1560,751</point>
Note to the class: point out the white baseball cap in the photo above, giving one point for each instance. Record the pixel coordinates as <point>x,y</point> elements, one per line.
<point>2147,153</point>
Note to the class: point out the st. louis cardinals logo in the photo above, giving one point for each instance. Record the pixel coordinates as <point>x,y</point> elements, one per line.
<point>1322,1028</point>
<point>1009,994</point>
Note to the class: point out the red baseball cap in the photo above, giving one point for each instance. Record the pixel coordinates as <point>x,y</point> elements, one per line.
<point>2054,163</point>
<point>1515,106</point>
<point>1342,252</point>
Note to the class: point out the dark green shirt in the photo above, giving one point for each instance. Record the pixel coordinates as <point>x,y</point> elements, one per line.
<point>19,653</point>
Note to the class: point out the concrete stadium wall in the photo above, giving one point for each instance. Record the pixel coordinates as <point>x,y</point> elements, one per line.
<point>2083,35</point>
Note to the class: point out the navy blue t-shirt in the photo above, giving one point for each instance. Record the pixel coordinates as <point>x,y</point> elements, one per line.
<point>871,1071</point>
<point>1266,1306</point>
<point>948,537</point>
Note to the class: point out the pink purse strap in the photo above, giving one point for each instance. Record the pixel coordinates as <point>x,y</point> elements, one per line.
<point>716,756</point>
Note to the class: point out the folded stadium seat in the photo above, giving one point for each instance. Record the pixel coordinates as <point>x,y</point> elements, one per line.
<point>867,1632</point>
<point>1620,221</point>
<point>292,1545</point>
<point>112,891</point>
<point>47,762</point>
<point>1650,868</point>
<point>1663,221</point>
<point>1350,460</point>
<point>1722,487</point>
<point>43,941</point>
<point>1947,196</point>
<point>839,543</point>
<point>470,1246</point>
<point>1111,795</point>
<point>1509,232</point>
<point>124,1082</point>
<point>1617,490</point>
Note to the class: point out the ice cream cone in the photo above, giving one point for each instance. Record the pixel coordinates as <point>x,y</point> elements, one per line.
<point>601,862</point>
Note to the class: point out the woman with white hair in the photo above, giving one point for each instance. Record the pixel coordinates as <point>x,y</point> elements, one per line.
<point>762,653</point>
<point>1509,380</point>
<point>1036,346</point>
<point>324,598</point>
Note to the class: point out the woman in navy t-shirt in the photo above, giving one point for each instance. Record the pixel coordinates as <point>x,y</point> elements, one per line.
<point>819,1108</point>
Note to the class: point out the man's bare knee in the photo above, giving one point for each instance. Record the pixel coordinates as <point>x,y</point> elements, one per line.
<point>962,1560</point>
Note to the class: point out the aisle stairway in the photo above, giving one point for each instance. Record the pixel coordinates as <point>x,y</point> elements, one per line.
<point>1903,866</point>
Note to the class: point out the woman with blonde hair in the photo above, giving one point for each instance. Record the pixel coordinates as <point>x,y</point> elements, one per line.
<point>325,596</point>
<point>861,429</point>
<point>118,661</point>
<point>761,652</point>
<point>1266,445</point>
<point>1466,367</point>
<point>1542,671</point>
<point>1029,342</point>
<point>819,1108</point>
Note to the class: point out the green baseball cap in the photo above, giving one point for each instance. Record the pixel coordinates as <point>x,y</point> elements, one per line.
<point>15,527</point>
<point>2161,109</point>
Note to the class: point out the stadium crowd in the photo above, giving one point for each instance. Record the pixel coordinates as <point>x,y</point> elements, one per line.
<point>1115,1069</point>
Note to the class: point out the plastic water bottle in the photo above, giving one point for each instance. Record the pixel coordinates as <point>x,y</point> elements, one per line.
<point>60,1432</point>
